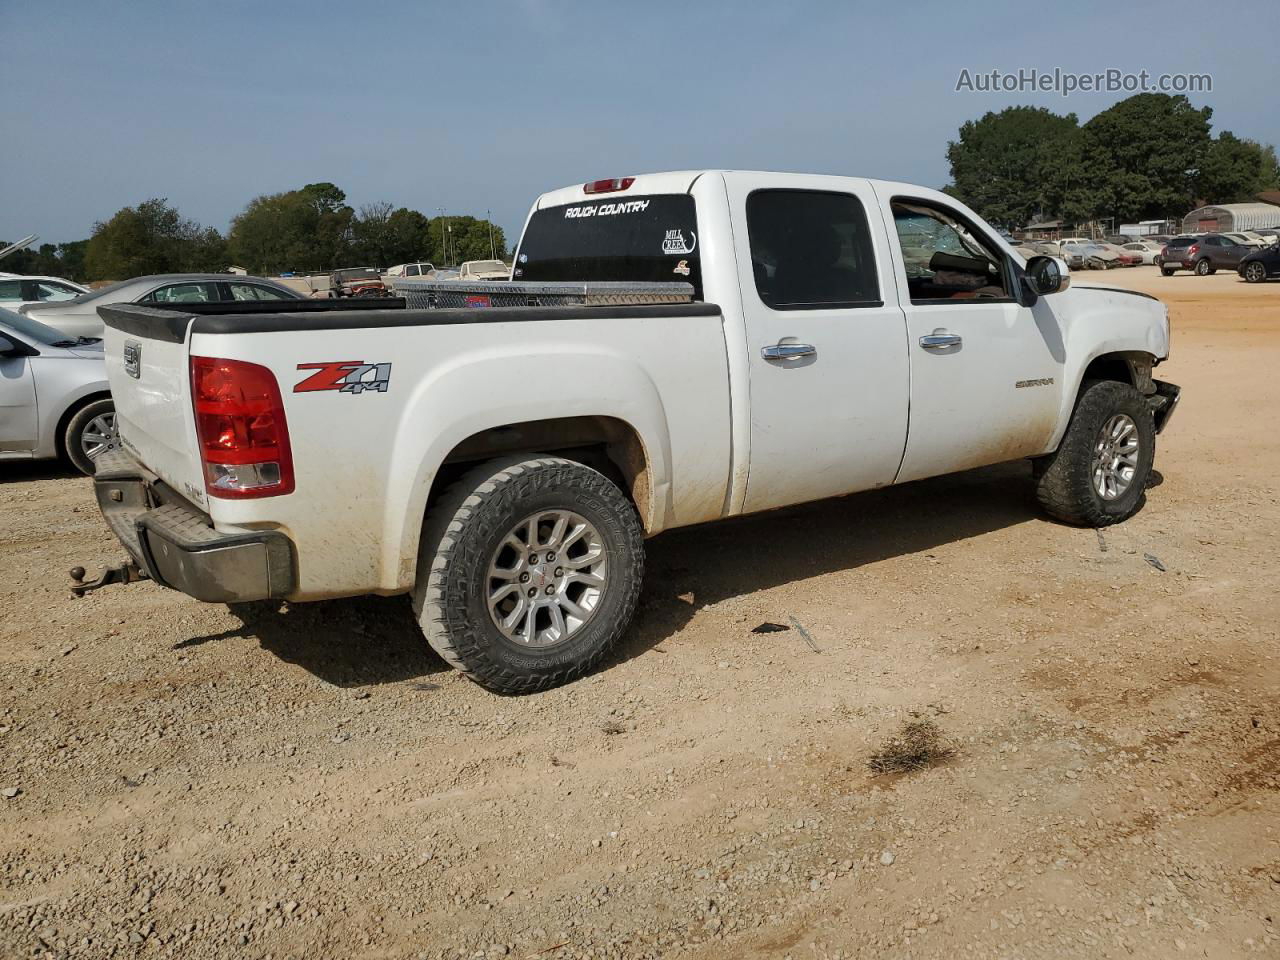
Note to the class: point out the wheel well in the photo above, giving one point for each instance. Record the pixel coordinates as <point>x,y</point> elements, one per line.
<point>607,444</point>
<point>1109,366</point>
<point>59,437</point>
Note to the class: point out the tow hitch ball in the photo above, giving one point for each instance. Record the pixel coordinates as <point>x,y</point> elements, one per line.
<point>126,572</point>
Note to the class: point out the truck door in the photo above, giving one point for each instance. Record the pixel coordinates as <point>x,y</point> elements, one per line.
<point>986,372</point>
<point>826,339</point>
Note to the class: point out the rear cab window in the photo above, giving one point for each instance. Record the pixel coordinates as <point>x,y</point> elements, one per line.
<point>625,239</point>
<point>811,250</point>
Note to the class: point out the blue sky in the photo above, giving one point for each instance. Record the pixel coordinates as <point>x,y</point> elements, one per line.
<point>483,105</point>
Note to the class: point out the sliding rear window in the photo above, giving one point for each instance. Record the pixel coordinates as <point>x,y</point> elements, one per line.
<point>651,239</point>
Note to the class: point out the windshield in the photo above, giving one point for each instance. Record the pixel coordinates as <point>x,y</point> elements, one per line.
<point>487,266</point>
<point>651,239</point>
<point>34,330</point>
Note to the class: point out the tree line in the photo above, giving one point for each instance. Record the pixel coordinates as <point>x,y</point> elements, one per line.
<point>311,229</point>
<point>1150,156</point>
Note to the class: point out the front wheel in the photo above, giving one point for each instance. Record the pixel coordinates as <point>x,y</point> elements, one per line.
<point>528,572</point>
<point>1255,272</point>
<point>1098,475</point>
<point>90,433</point>
<point>1166,271</point>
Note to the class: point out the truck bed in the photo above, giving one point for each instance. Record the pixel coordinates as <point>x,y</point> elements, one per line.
<point>428,383</point>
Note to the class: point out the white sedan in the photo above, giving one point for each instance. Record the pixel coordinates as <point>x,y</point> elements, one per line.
<point>15,290</point>
<point>1147,249</point>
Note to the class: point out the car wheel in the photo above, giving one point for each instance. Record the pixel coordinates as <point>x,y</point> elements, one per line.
<point>1166,271</point>
<point>1203,267</point>
<point>529,572</point>
<point>1255,272</point>
<point>89,434</point>
<point>1098,475</point>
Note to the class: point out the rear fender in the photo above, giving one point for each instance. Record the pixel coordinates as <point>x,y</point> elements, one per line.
<point>479,391</point>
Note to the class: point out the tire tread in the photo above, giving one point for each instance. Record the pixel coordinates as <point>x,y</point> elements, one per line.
<point>440,604</point>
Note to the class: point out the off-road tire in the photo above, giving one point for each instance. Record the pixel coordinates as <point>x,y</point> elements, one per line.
<point>1064,482</point>
<point>463,530</point>
<point>72,448</point>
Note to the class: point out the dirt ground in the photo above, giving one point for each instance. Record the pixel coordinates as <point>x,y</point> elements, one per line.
<point>195,782</point>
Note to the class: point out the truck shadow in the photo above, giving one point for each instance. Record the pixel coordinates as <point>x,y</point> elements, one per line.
<point>366,641</point>
<point>697,566</point>
<point>356,642</point>
<point>24,471</point>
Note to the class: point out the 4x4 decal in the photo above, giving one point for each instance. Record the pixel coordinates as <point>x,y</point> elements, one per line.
<point>345,376</point>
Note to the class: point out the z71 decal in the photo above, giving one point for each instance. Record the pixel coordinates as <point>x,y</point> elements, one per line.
<point>345,376</point>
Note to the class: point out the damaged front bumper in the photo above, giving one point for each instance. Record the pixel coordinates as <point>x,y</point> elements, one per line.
<point>1163,402</point>
<point>171,542</point>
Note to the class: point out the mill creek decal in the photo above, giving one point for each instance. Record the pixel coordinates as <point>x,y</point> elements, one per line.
<point>675,243</point>
<point>345,376</point>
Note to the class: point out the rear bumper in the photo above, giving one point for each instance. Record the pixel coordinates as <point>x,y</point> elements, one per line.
<point>176,545</point>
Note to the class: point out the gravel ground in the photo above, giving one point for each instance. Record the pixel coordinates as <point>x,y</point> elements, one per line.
<point>183,780</point>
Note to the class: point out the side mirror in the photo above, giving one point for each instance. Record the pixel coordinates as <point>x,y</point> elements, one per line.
<point>1046,275</point>
<point>13,348</point>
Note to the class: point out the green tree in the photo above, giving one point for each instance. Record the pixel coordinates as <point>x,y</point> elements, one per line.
<point>410,237</point>
<point>1143,153</point>
<point>1009,165</point>
<point>151,238</point>
<point>302,230</point>
<point>1236,170</point>
<point>467,238</point>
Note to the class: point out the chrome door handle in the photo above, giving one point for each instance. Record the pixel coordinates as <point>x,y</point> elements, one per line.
<point>788,351</point>
<point>937,341</point>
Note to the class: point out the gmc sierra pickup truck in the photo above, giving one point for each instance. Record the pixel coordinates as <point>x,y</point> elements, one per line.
<point>504,465</point>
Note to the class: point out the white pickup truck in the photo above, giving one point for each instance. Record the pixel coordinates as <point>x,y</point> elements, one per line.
<point>505,464</point>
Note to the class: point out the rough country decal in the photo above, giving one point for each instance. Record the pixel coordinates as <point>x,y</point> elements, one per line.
<point>1042,382</point>
<point>607,209</point>
<point>345,376</point>
<point>675,243</point>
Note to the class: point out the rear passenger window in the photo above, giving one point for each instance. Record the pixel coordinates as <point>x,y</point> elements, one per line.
<point>811,250</point>
<point>10,289</point>
<point>184,293</point>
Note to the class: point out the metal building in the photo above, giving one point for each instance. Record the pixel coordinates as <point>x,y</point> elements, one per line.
<point>1224,217</point>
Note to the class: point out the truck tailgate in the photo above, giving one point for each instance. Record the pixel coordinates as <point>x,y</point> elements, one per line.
<point>148,369</point>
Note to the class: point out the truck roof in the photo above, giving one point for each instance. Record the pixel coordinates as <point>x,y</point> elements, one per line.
<point>681,181</point>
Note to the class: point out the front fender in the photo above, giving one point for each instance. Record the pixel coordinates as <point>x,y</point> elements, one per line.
<point>54,400</point>
<point>1099,321</point>
<point>492,387</point>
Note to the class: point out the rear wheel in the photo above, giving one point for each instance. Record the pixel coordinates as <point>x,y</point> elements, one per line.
<point>90,433</point>
<point>528,572</point>
<point>1098,475</point>
<point>1203,267</point>
<point>1255,272</point>
<point>1167,271</point>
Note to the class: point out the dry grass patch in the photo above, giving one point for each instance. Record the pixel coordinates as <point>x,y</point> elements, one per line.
<point>917,745</point>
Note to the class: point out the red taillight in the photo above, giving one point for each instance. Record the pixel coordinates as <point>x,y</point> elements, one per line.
<point>1191,250</point>
<point>608,186</point>
<point>241,427</point>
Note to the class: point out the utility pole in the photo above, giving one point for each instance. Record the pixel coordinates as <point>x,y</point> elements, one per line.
<point>493,251</point>
<point>444,236</point>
